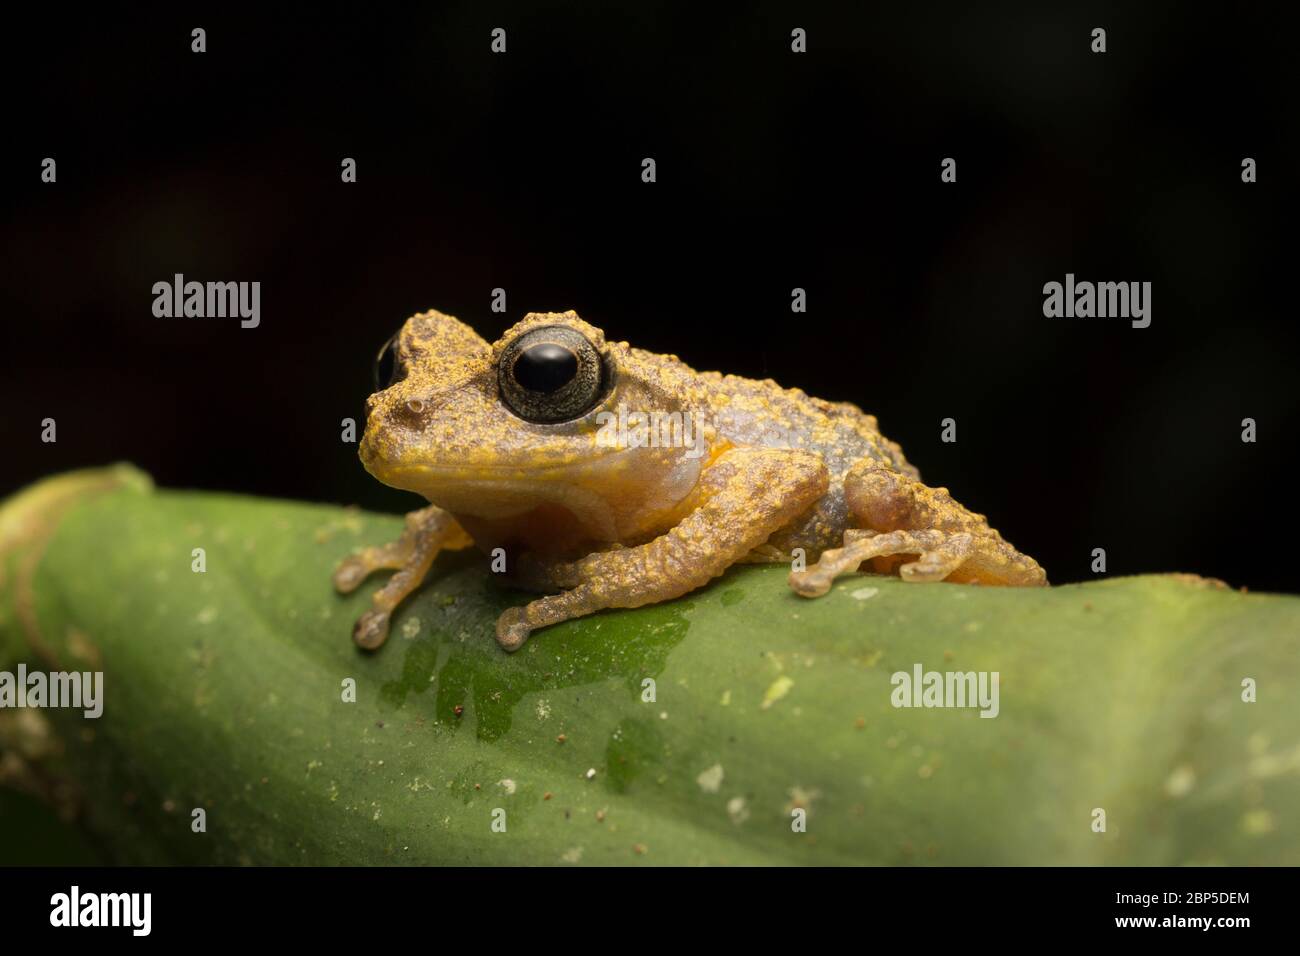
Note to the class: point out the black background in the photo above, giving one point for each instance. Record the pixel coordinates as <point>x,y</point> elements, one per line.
<point>775,170</point>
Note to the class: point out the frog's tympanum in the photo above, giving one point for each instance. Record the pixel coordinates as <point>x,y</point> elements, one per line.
<point>612,477</point>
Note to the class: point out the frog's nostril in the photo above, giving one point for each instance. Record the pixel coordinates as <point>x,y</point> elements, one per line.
<point>412,413</point>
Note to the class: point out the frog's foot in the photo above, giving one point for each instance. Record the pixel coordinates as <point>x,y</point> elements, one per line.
<point>902,516</point>
<point>747,495</point>
<point>940,555</point>
<point>968,550</point>
<point>355,568</point>
<point>428,531</point>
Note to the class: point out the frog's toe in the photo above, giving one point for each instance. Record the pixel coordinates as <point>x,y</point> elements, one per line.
<point>920,573</point>
<point>809,583</point>
<point>932,566</point>
<point>371,629</point>
<point>512,631</point>
<point>349,574</point>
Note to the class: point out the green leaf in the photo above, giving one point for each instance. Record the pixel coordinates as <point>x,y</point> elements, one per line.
<point>223,691</point>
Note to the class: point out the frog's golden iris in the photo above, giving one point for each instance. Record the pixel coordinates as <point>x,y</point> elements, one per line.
<point>552,374</point>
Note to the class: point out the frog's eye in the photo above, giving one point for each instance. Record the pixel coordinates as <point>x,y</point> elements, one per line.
<point>551,374</point>
<point>386,364</point>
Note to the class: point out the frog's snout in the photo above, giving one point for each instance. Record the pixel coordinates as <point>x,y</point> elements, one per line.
<point>400,426</point>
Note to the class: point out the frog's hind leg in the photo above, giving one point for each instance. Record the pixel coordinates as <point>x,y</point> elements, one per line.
<point>898,515</point>
<point>427,532</point>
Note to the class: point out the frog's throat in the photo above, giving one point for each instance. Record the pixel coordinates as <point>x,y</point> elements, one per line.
<point>482,494</point>
<point>607,499</point>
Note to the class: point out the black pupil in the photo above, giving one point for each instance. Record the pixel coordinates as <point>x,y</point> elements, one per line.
<point>385,365</point>
<point>545,367</point>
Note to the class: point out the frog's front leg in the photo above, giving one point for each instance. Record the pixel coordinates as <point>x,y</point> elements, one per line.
<point>898,515</point>
<point>747,494</point>
<point>428,531</point>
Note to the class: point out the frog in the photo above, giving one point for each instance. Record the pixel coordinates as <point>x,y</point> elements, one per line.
<point>535,450</point>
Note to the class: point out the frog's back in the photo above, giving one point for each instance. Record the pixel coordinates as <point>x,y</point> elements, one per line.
<point>760,413</point>
<point>753,412</point>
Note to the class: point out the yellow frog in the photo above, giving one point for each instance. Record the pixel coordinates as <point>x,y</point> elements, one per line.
<point>614,477</point>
